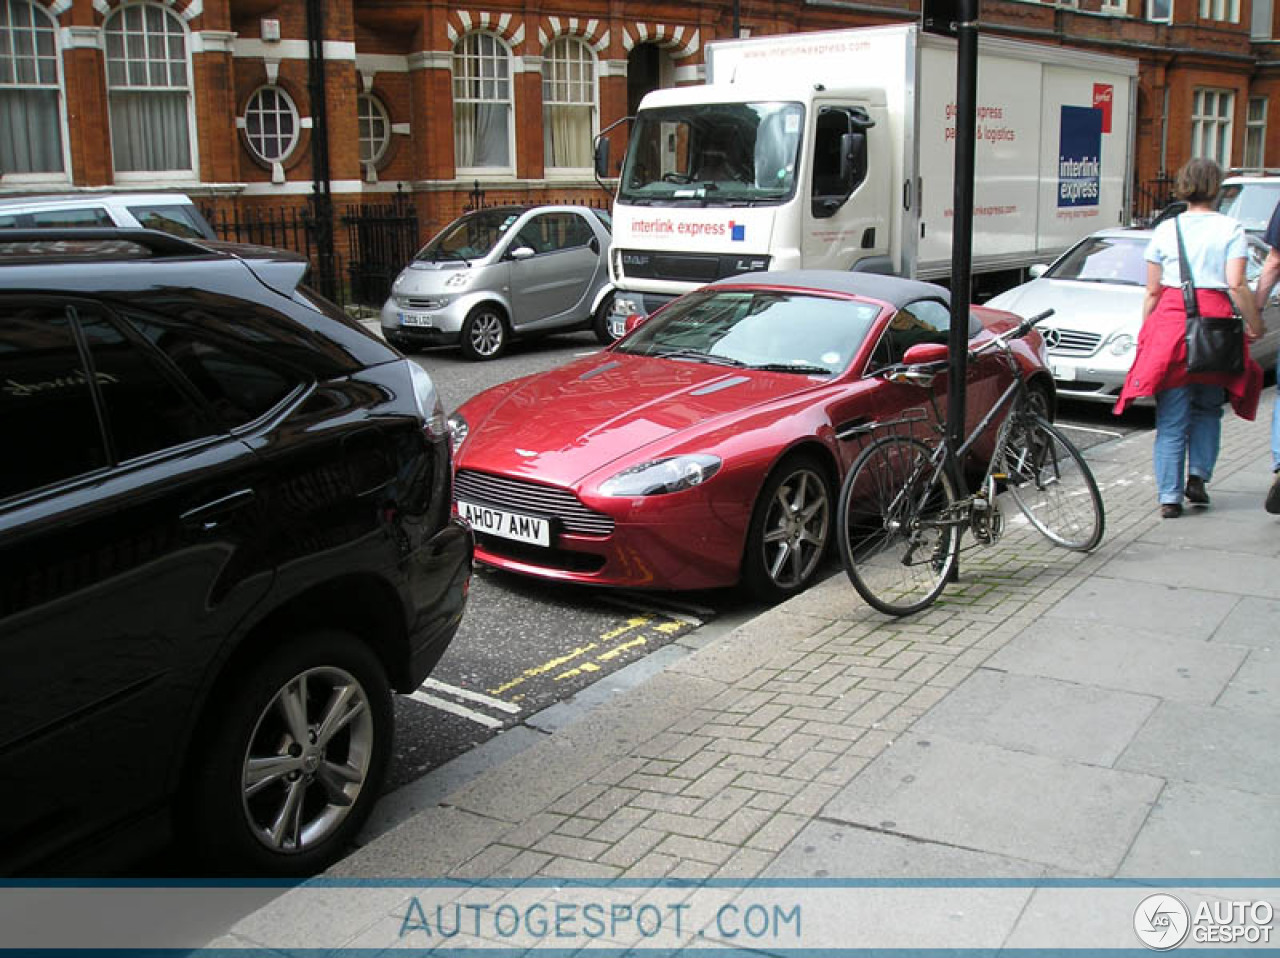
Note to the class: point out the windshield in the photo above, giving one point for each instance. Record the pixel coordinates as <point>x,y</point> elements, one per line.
<point>713,154</point>
<point>471,236</point>
<point>1105,259</point>
<point>786,332</point>
<point>1250,203</point>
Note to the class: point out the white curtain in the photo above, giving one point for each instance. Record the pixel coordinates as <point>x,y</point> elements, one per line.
<point>30,135</point>
<point>567,136</point>
<point>149,132</point>
<point>481,134</point>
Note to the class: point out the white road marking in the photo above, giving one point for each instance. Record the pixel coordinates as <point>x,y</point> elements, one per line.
<point>478,717</point>
<point>1096,432</point>
<point>478,697</point>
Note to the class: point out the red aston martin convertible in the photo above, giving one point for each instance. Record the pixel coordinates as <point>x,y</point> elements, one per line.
<point>700,450</point>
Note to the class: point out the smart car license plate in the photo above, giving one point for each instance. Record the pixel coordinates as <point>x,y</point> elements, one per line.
<point>509,525</point>
<point>415,319</point>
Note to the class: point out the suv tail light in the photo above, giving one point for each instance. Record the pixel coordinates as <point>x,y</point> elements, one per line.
<point>429,405</point>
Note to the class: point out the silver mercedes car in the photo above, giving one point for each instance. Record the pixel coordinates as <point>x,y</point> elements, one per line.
<point>1096,290</point>
<point>502,272</point>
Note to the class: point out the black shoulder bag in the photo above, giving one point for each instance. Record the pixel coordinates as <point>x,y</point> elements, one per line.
<point>1213,345</point>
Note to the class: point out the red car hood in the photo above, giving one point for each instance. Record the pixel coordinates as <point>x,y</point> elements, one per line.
<point>562,425</point>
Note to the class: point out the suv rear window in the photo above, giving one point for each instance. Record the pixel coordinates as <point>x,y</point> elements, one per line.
<point>178,219</point>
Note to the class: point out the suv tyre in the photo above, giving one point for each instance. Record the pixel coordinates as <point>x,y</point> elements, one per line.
<point>291,757</point>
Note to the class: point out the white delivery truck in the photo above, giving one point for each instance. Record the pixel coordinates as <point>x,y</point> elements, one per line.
<point>835,150</point>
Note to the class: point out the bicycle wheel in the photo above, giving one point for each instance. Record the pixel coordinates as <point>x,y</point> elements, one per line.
<point>1052,484</point>
<point>896,541</point>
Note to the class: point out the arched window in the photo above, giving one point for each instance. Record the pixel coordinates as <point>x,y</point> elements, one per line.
<point>271,124</point>
<point>569,104</point>
<point>30,96</point>
<point>375,128</point>
<point>149,90</point>
<point>482,102</point>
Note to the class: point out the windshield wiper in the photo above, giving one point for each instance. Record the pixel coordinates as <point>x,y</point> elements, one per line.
<point>806,368</point>
<point>693,355</point>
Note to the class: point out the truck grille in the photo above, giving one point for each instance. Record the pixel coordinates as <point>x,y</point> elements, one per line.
<point>521,496</point>
<point>1070,342</point>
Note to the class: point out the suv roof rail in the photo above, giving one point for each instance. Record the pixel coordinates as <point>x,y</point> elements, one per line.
<point>154,241</point>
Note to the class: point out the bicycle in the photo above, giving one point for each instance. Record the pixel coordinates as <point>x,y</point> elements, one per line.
<point>901,516</point>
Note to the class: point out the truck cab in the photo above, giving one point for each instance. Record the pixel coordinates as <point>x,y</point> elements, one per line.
<point>722,181</point>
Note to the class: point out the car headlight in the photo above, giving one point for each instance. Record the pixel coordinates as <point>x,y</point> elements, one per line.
<point>458,280</point>
<point>458,430</point>
<point>429,405</point>
<point>662,476</point>
<point>1122,344</point>
<point>627,304</point>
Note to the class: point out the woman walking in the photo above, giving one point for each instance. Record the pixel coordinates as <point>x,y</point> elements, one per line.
<point>1189,405</point>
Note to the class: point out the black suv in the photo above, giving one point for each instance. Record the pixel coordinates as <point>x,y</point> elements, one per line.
<point>225,534</point>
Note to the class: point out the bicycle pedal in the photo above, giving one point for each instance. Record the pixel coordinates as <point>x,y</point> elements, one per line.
<point>999,476</point>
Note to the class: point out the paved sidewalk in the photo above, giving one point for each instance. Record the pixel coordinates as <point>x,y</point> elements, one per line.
<point>1054,715</point>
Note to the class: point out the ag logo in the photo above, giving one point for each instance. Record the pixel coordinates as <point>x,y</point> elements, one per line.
<point>1052,337</point>
<point>1161,922</point>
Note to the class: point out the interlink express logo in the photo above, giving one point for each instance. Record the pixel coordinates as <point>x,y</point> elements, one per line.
<point>1161,922</point>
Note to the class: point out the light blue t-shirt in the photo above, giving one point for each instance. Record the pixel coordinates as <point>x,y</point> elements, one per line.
<point>1210,238</point>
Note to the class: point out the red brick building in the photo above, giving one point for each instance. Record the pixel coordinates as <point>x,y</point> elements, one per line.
<point>427,100</point>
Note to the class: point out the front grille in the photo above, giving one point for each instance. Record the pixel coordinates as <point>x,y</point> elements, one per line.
<point>685,267</point>
<point>424,302</point>
<point>518,495</point>
<point>1072,342</point>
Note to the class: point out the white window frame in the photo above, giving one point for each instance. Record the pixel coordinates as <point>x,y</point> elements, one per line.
<point>551,89</point>
<point>1152,15</point>
<point>9,81</point>
<point>379,114</point>
<point>290,110</point>
<point>1226,11</point>
<point>1212,116</point>
<point>1255,132</point>
<point>1114,7</point>
<point>464,58</point>
<point>154,176</point>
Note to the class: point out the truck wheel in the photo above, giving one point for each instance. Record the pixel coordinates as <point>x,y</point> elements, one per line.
<point>291,758</point>
<point>484,333</point>
<point>600,323</point>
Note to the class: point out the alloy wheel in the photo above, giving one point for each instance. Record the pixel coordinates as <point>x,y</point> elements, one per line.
<point>796,528</point>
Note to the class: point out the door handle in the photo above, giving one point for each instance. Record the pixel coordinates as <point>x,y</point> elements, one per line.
<point>210,514</point>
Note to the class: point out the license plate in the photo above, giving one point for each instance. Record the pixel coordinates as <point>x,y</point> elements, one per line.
<point>1063,373</point>
<point>509,525</point>
<point>415,319</point>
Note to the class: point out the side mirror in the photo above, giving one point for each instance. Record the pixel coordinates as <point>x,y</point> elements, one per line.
<point>602,158</point>
<point>1038,270</point>
<point>521,252</point>
<point>853,160</point>
<point>924,353</point>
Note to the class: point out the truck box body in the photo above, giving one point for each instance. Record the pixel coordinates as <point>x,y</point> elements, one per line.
<point>1053,159</point>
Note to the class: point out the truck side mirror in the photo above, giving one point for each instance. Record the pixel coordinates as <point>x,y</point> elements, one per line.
<point>853,160</point>
<point>602,158</point>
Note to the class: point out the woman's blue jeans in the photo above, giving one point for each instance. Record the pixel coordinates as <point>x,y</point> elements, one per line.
<point>1188,432</point>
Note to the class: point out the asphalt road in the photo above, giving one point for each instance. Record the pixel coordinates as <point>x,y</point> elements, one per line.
<point>524,645</point>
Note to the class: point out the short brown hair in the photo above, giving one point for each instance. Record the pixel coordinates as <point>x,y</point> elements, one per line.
<point>1199,180</point>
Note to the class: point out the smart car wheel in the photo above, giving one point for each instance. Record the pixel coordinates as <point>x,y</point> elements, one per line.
<point>484,333</point>
<point>790,530</point>
<point>600,322</point>
<point>293,758</point>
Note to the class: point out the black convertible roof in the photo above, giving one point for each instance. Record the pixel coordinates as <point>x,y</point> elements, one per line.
<point>889,289</point>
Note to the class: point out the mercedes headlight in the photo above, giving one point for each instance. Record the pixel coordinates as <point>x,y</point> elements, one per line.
<point>659,477</point>
<point>458,430</point>
<point>1122,344</point>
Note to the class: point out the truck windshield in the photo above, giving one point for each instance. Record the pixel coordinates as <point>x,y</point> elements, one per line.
<point>713,154</point>
<point>469,237</point>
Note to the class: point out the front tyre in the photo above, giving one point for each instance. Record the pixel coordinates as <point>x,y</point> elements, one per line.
<point>898,542</point>
<point>790,530</point>
<point>600,321</point>
<point>484,333</point>
<point>291,758</point>
<point>1052,485</point>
